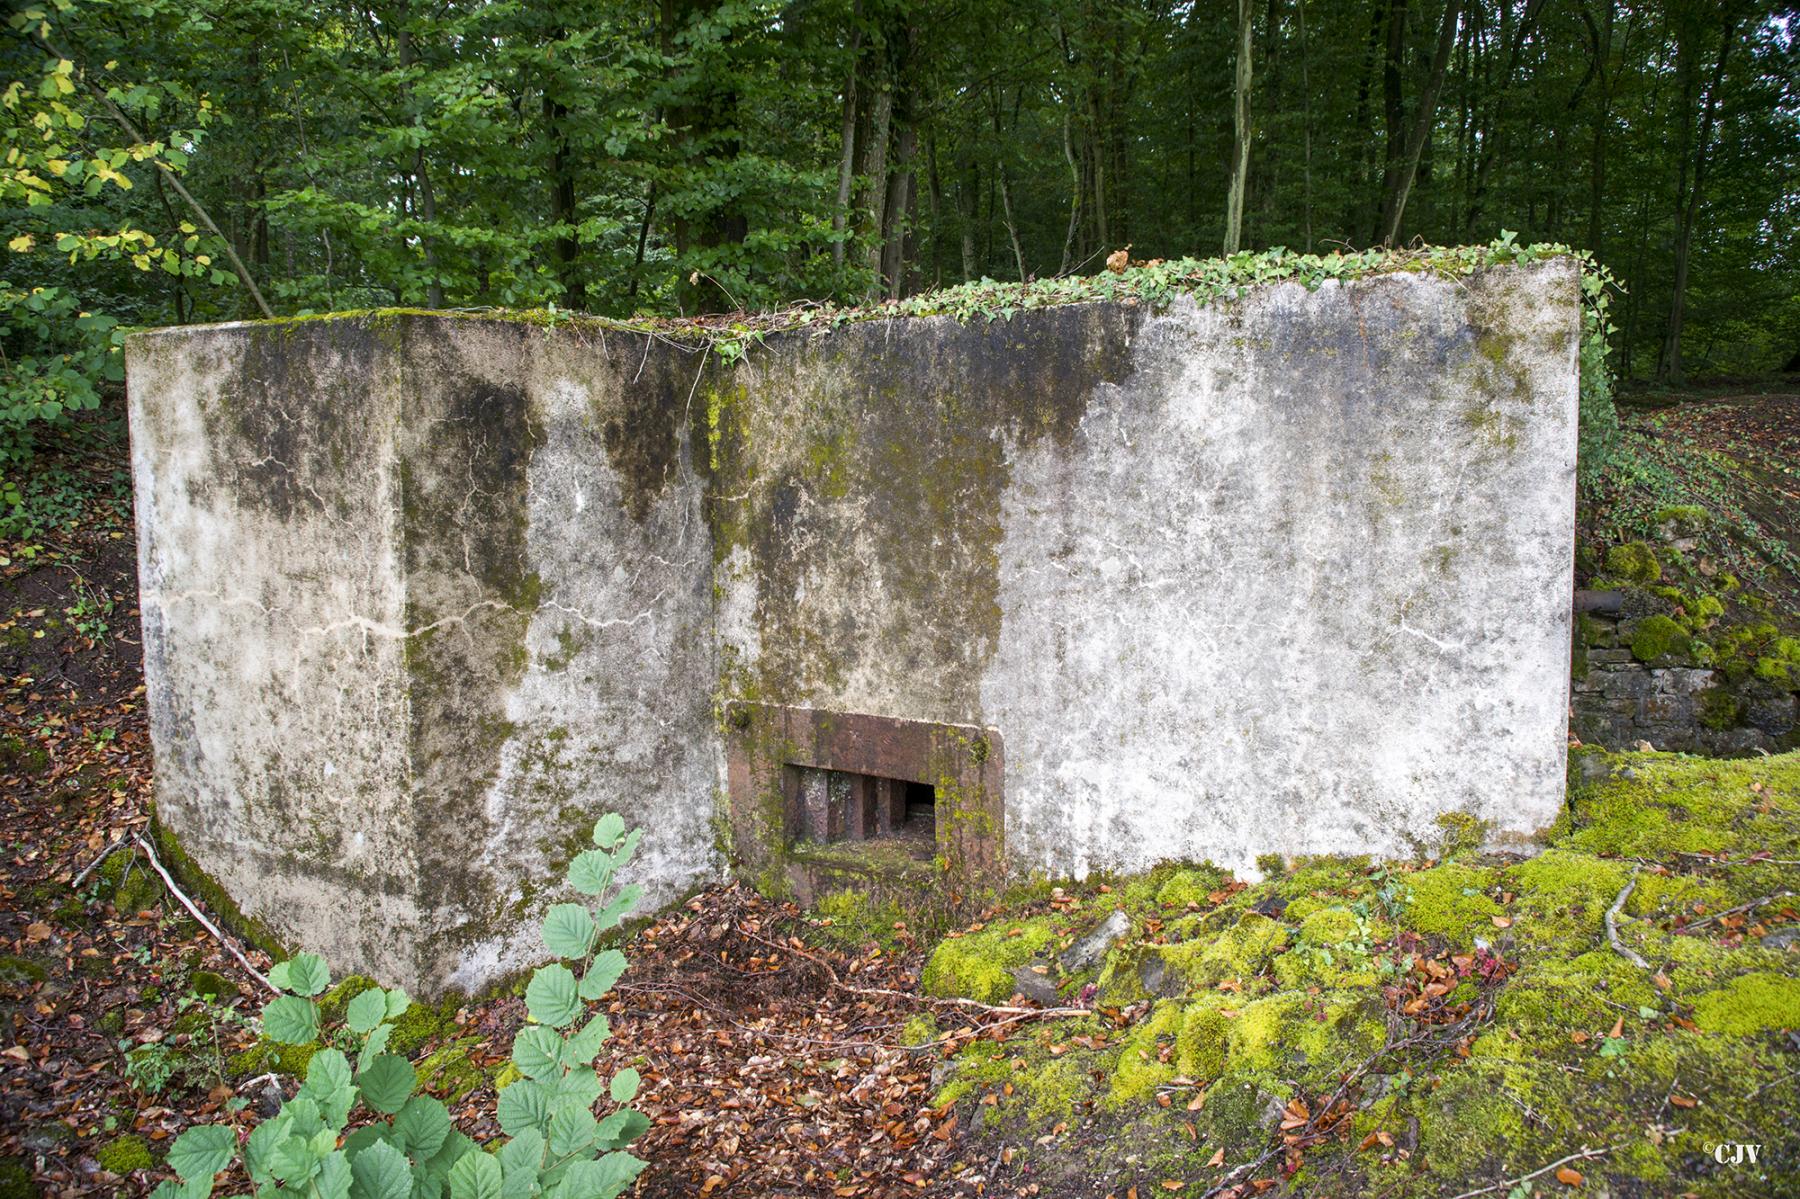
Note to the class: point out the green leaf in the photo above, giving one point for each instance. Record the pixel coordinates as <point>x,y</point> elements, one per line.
<point>334,1178</point>
<point>627,850</point>
<point>524,1105</point>
<point>306,974</point>
<point>387,1083</point>
<point>580,1088</point>
<point>572,1129</point>
<point>602,974</point>
<point>263,1140</point>
<point>422,1126</point>
<point>476,1176</point>
<point>524,1152</point>
<point>625,1085</point>
<point>381,1172</point>
<point>620,907</point>
<point>199,1153</point>
<point>569,930</point>
<point>293,1161</point>
<point>366,1010</point>
<point>552,997</point>
<point>328,1084</point>
<point>168,1188</point>
<point>373,1047</point>
<point>602,1179</point>
<point>291,1020</point>
<point>591,871</point>
<point>584,1046</point>
<point>608,829</point>
<point>622,1127</point>
<point>537,1051</point>
<point>397,1003</point>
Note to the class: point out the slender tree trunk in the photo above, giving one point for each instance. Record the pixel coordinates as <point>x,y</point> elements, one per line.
<point>1512,42</point>
<point>1240,155</point>
<point>1688,213</point>
<point>1393,116</point>
<point>1424,117</point>
<point>1074,198</point>
<point>847,144</point>
<point>1602,121</point>
<point>562,204</point>
<point>1306,180</point>
<point>1012,230</point>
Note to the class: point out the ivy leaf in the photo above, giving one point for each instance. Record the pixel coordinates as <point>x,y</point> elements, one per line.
<point>422,1126</point>
<point>306,974</point>
<point>366,1010</point>
<point>387,1083</point>
<point>625,1085</point>
<point>381,1172</point>
<point>552,997</point>
<point>537,1051</point>
<point>199,1153</point>
<point>602,973</point>
<point>591,871</point>
<point>569,930</point>
<point>608,829</point>
<point>291,1020</point>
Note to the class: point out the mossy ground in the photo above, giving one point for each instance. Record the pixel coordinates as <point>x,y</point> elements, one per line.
<point>1491,1026</point>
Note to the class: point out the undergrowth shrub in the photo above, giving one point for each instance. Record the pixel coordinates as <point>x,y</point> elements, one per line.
<point>403,1145</point>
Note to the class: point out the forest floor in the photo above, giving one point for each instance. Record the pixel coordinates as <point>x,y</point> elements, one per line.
<point>783,1053</point>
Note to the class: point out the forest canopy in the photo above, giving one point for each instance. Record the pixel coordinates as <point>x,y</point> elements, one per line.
<point>170,161</point>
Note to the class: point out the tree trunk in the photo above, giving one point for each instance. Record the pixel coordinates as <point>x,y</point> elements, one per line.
<point>1401,181</point>
<point>1393,117</point>
<point>1240,154</point>
<point>1306,192</point>
<point>847,144</point>
<point>1688,212</point>
<point>1602,38</point>
<point>1513,42</point>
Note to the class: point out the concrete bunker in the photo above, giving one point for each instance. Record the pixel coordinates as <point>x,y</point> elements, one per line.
<point>1286,572</point>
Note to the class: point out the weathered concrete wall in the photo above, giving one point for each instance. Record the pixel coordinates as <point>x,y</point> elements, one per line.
<point>421,599</point>
<point>1284,574</point>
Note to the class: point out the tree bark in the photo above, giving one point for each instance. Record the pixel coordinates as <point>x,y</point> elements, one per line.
<point>1240,153</point>
<point>847,143</point>
<point>1401,182</point>
<point>1688,210</point>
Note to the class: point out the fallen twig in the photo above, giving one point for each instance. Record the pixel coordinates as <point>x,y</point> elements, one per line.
<point>75,883</point>
<point>1513,1182</point>
<point>1742,907</point>
<point>196,913</point>
<point>1612,927</point>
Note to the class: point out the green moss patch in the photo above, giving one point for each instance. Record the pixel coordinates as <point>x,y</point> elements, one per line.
<point>122,1155</point>
<point>1489,1021</point>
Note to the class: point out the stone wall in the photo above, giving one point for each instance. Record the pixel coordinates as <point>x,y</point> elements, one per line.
<point>423,595</point>
<point>1673,701</point>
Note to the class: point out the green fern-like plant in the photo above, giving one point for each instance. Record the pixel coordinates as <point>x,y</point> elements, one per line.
<point>406,1146</point>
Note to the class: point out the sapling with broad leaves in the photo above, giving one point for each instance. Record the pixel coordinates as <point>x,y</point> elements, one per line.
<point>403,1145</point>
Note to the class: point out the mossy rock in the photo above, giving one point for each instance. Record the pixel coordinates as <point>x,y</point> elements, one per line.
<point>122,1155</point>
<point>449,1072</point>
<point>1190,887</point>
<point>15,1180</point>
<point>205,983</point>
<point>979,965</point>
<point>1657,637</point>
<point>16,971</point>
<point>1562,898</point>
<point>271,1057</point>
<point>852,919</point>
<point>1633,562</point>
<point>1240,952</point>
